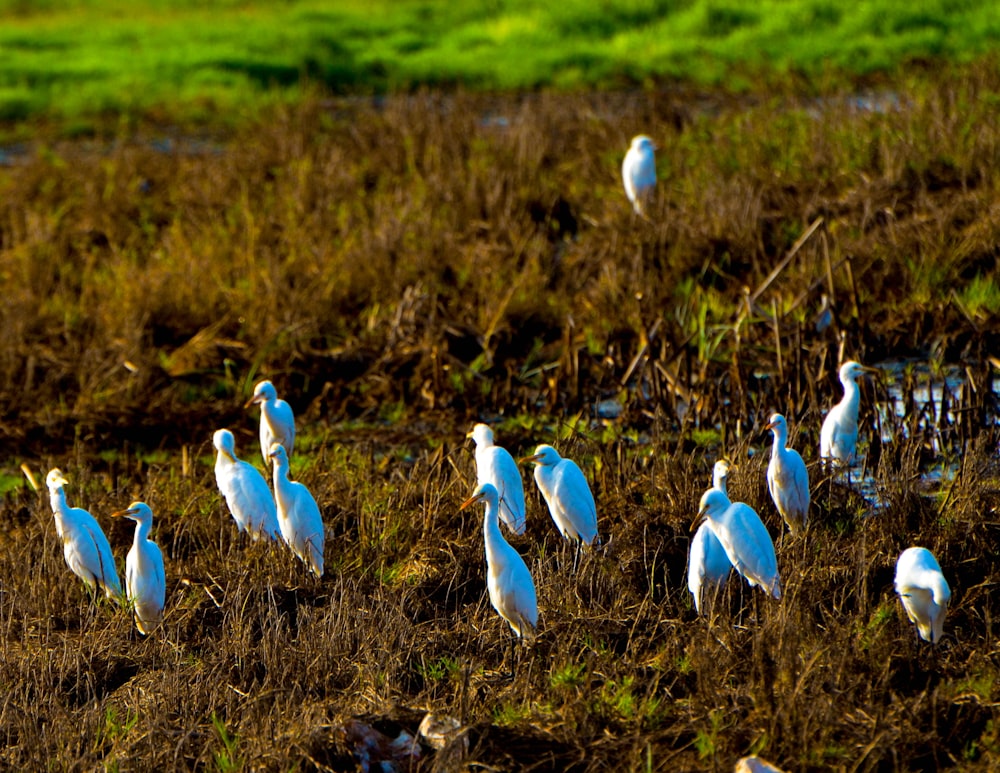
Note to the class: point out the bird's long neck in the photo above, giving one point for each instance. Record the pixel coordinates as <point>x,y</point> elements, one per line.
<point>852,397</point>
<point>780,440</point>
<point>57,498</point>
<point>142,530</point>
<point>491,531</point>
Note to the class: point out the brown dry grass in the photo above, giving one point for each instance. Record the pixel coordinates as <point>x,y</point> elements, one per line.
<point>400,269</point>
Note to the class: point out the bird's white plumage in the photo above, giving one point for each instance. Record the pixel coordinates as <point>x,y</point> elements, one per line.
<point>298,514</point>
<point>639,172</point>
<point>495,465</point>
<point>787,478</point>
<point>277,422</point>
<point>924,591</point>
<point>508,580</point>
<point>744,538</point>
<point>145,580</point>
<point>85,546</point>
<point>838,438</point>
<point>567,493</point>
<point>708,563</point>
<point>245,490</point>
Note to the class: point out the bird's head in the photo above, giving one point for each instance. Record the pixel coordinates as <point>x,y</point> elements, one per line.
<point>777,424</point>
<point>545,456</point>
<point>485,492</point>
<point>225,443</point>
<point>851,371</point>
<point>713,503</point>
<point>278,453</point>
<point>55,479</point>
<point>137,511</point>
<point>481,434</point>
<point>262,393</point>
<point>643,143</point>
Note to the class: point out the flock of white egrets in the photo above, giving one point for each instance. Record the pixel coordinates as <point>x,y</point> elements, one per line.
<point>731,535</point>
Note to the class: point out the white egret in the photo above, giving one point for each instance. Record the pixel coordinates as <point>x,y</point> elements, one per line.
<point>639,172</point>
<point>85,546</point>
<point>511,589</point>
<point>495,465</point>
<point>245,490</point>
<point>145,581</point>
<point>277,422</point>
<point>787,478</point>
<point>708,563</point>
<point>567,493</point>
<point>838,439</point>
<point>298,514</point>
<point>924,591</point>
<point>744,538</point>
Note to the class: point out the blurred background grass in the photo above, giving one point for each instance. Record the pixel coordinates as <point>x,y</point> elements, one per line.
<point>222,60</point>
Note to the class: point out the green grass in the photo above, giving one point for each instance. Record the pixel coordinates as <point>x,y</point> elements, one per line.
<point>223,61</point>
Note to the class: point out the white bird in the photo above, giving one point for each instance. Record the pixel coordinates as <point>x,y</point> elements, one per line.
<point>85,546</point>
<point>708,563</point>
<point>787,478</point>
<point>145,582</point>
<point>924,591</point>
<point>245,490</point>
<point>495,465</point>
<point>298,514</point>
<point>838,439</point>
<point>567,493</point>
<point>508,580</point>
<point>277,422</point>
<point>744,538</point>
<point>639,172</point>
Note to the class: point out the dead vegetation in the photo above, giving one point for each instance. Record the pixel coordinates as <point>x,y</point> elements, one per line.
<point>402,268</point>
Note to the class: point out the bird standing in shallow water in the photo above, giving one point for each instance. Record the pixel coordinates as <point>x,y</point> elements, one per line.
<point>924,592</point>
<point>708,563</point>
<point>85,546</point>
<point>245,490</point>
<point>298,514</point>
<point>567,493</point>
<point>495,465</point>
<point>639,172</point>
<point>838,439</point>
<point>145,581</point>
<point>277,422</point>
<point>787,478</point>
<point>744,538</point>
<point>511,589</point>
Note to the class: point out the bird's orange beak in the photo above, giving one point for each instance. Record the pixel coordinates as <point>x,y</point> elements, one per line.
<point>532,458</point>
<point>471,501</point>
<point>120,513</point>
<point>252,401</point>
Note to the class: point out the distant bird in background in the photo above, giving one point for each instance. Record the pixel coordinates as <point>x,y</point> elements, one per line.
<point>245,490</point>
<point>145,581</point>
<point>787,478</point>
<point>567,493</point>
<point>824,316</point>
<point>744,538</point>
<point>508,580</point>
<point>298,514</point>
<point>708,563</point>
<point>495,465</point>
<point>85,546</point>
<point>838,439</point>
<point>924,592</point>
<point>639,172</point>
<point>277,422</point>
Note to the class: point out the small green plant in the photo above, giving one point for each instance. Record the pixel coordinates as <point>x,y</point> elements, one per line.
<point>227,760</point>
<point>569,676</point>
<point>707,740</point>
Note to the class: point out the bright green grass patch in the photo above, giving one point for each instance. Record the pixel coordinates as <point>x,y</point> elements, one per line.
<point>223,59</point>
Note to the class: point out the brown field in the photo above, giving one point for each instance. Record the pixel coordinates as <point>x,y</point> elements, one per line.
<point>405,267</point>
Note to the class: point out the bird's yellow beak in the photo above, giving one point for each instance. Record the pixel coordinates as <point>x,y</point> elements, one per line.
<point>120,513</point>
<point>532,458</point>
<point>769,425</point>
<point>471,501</point>
<point>468,434</point>
<point>697,520</point>
<point>253,400</point>
<point>62,480</point>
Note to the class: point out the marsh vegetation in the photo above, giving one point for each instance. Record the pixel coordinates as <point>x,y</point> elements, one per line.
<point>401,268</point>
